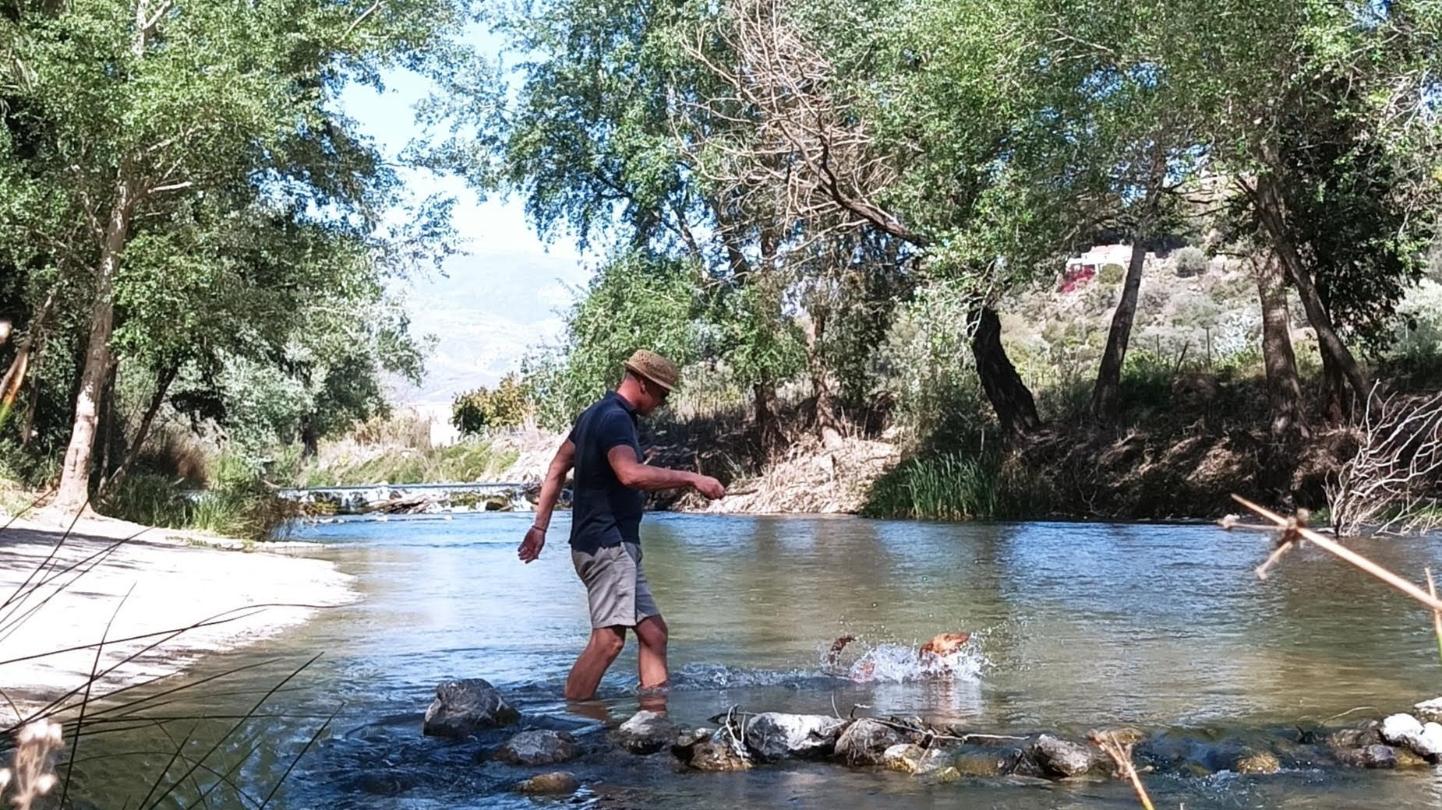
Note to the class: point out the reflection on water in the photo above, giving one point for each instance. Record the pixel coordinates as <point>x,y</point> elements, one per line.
<point>1075,626</point>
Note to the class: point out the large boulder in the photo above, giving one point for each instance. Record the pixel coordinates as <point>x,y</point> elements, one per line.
<point>775,735</point>
<point>646,733</point>
<point>541,747</point>
<point>558,782</point>
<point>465,706</point>
<point>722,751</point>
<point>1062,758</point>
<point>865,741</point>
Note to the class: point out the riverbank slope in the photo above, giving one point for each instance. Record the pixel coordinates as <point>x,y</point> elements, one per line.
<point>167,597</point>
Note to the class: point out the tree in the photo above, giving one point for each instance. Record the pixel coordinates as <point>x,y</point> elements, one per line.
<point>151,122</point>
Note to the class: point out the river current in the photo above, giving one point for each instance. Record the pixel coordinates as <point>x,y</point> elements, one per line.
<point>1075,626</point>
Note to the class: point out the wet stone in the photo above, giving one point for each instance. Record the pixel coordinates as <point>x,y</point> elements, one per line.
<point>1429,710</point>
<point>1368,733</point>
<point>1371,756</point>
<point>645,733</point>
<point>1061,758</point>
<point>465,706</point>
<point>1398,727</point>
<point>556,783</point>
<point>540,747</point>
<point>720,752</point>
<point>686,739</point>
<point>902,757</point>
<point>865,741</point>
<point>988,762</point>
<point>774,735</point>
<point>1258,762</point>
<point>1427,743</point>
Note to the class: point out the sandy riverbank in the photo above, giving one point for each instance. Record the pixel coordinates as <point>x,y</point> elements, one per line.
<point>171,583</point>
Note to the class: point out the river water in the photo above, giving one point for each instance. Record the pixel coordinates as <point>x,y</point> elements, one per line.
<point>1075,626</point>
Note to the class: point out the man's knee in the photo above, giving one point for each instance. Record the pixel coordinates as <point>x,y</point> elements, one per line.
<point>609,641</point>
<point>653,632</point>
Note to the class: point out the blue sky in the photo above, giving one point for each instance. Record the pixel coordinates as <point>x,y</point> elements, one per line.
<point>502,295</point>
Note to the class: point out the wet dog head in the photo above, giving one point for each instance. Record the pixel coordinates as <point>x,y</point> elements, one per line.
<point>945,643</point>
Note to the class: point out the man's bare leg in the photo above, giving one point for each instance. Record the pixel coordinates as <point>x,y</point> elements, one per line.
<point>651,660</point>
<point>601,650</point>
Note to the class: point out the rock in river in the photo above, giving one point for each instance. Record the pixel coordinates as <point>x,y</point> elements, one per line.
<point>553,783</point>
<point>775,735</point>
<point>1371,756</point>
<point>719,752</point>
<point>540,747</point>
<point>646,733</point>
<point>465,706</point>
<point>865,741</point>
<point>1062,758</point>
<point>1430,709</point>
<point>1398,727</point>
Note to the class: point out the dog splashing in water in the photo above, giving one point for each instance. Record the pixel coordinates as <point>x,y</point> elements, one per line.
<point>942,657</point>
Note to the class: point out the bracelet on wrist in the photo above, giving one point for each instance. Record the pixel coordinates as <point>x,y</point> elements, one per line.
<point>540,529</point>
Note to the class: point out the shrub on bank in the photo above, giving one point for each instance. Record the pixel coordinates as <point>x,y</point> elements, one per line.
<point>950,486</point>
<point>249,510</point>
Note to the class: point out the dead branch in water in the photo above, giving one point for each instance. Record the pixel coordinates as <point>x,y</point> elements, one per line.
<point>1294,531</point>
<point>1393,484</point>
<point>1120,752</point>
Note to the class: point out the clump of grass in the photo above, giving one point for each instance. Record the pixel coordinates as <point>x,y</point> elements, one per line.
<point>950,486</point>
<point>246,510</point>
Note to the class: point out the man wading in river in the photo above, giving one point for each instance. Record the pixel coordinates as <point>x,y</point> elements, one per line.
<point>606,520</point>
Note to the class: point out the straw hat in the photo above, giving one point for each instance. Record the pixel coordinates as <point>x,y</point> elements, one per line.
<point>655,368</point>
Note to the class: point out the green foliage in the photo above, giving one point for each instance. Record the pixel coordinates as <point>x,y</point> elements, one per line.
<point>1190,261</point>
<point>635,301</point>
<point>253,224</point>
<point>505,407</point>
<point>951,486</point>
<point>1111,275</point>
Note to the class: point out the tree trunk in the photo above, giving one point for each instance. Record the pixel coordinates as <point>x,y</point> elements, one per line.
<point>73,494</point>
<point>14,378</point>
<point>768,432</point>
<point>157,399</point>
<point>1284,391</point>
<point>824,409</point>
<point>1015,408</point>
<point>1340,369</point>
<point>1106,394</point>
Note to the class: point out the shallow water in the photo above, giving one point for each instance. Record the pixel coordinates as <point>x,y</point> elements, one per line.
<point>1075,626</point>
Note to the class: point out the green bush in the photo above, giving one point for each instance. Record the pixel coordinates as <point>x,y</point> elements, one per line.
<point>242,508</point>
<point>1191,261</point>
<point>945,487</point>
<point>507,406</point>
<point>1111,274</point>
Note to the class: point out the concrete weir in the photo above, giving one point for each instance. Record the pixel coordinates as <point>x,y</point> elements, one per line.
<point>384,498</point>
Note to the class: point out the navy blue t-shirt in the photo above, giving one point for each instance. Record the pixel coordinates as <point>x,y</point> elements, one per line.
<point>603,511</point>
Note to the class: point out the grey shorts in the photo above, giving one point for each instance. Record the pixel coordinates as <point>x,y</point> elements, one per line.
<point>615,585</point>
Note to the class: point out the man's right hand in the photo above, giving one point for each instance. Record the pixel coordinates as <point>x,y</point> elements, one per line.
<point>531,547</point>
<point>708,486</point>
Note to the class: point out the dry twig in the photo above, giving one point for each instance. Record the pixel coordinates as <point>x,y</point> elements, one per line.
<point>1120,752</point>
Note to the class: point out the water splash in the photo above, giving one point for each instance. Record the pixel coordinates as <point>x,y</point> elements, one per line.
<point>898,663</point>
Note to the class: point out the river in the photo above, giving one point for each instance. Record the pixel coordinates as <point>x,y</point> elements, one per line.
<point>1076,626</point>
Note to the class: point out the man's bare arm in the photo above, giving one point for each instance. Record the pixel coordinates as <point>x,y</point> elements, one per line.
<point>561,464</point>
<point>637,475</point>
